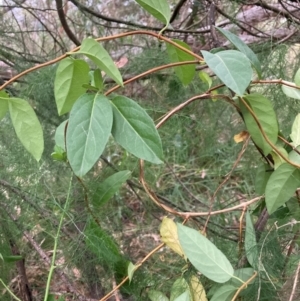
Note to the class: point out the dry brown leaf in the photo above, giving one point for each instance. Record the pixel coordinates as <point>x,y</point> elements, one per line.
<point>240,137</point>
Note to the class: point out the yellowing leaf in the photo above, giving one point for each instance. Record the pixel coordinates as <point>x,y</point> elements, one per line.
<point>240,137</point>
<point>168,233</point>
<point>197,290</point>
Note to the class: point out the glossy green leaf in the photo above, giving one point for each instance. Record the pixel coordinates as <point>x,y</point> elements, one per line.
<point>27,126</point>
<point>224,293</point>
<point>185,73</point>
<point>131,269</point>
<point>88,131</point>
<point>70,76</point>
<point>250,242</point>
<point>134,130</point>
<point>281,186</point>
<point>242,47</point>
<point>3,105</point>
<point>204,255</point>
<point>184,297</point>
<point>263,174</point>
<point>297,78</point>
<point>178,288</point>
<point>109,187</point>
<point>265,113</point>
<point>205,78</point>
<point>154,295</point>
<point>95,52</point>
<point>159,9</point>
<point>59,137</point>
<point>232,67</point>
<point>291,92</point>
<point>294,156</point>
<point>295,134</point>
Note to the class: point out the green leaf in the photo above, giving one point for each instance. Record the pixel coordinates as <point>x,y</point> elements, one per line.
<point>134,130</point>
<point>278,160</point>
<point>3,105</point>
<point>232,67</point>
<point>266,116</point>
<point>297,78</point>
<point>243,274</point>
<point>250,243</point>
<point>295,134</point>
<point>178,288</point>
<point>185,73</point>
<point>183,297</point>
<point>88,131</point>
<point>159,9</point>
<point>242,47</point>
<point>27,126</point>
<point>205,78</point>
<point>263,174</point>
<point>131,270</point>
<point>95,52</point>
<point>109,187</point>
<point>291,92</point>
<point>204,255</point>
<point>70,76</point>
<point>97,80</point>
<point>157,296</point>
<point>294,156</point>
<point>224,293</point>
<point>281,186</point>
<point>11,258</point>
<point>59,137</point>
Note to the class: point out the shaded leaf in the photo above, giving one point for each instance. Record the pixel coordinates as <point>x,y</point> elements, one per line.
<point>157,296</point>
<point>178,288</point>
<point>291,92</point>
<point>59,137</point>
<point>11,258</point>
<point>243,274</point>
<point>266,116</point>
<point>97,80</point>
<point>159,9</point>
<point>250,242</point>
<point>134,130</point>
<point>88,131</point>
<point>232,67</point>
<point>183,297</point>
<point>278,160</point>
<point>294,156</point>
<point>204,255</point>
<point>3,105</point>
<point>242,47</point>
<point>27,126</point>
<point>70,76</point>
<point>95,52</point>
<point>168,233</point>
<point>281,186</point>
<point>224,293</point>
<point>295,134</point>
<point>185,73</point>
<point>197,290</point>
<point>262,176</point>
<point>205,78</point>
<point>109,187</point>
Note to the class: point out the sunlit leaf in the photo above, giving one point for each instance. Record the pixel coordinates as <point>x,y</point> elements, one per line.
<point>88,131</point>
<point>159,9</point>
<point>134,130</point>
<point>131,270</point>
<point>224,293</point>
<point>291,92</point>
<point>294,156</point>
<point>250,242</point>
<point>295,134</point>
<point>197,290</point>
<point>70,76</point>
<point>154,295</point>
<point>95,52</point>
<point>204,255</point>
<point>169,235</point>
<point>27,126</point>
<point>185,73</point>
<point>109,187</point>
<point>244,48</point>
<point>281,186</point>
<point>232,67</point>
<point>266,116</point>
